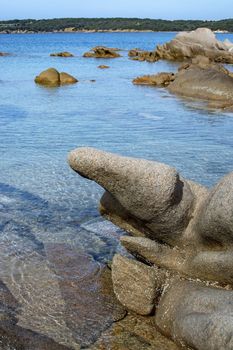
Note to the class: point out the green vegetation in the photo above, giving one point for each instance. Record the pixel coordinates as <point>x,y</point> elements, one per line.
<point>59,24</point>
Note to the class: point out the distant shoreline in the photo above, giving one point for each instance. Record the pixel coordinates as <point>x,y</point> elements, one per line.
<point>112,25</point>
<point>102,31</point>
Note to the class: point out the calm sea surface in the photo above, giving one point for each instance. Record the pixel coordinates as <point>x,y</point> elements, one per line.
<point>49,221</point>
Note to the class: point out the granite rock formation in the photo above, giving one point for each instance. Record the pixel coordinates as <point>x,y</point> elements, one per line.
<point>102,52</point>
<point>198,79</point>
<point>51,77</point>
<point>202,41</point>
<point>62,54</point>
<point>160,79</point>
<point>143,55</point>
<point>181,245</point>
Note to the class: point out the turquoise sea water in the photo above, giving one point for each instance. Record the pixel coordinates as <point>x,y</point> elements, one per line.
<point>43,204</point>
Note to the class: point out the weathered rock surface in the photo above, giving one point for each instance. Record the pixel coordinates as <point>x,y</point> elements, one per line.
<point>205,265</point>
<point>135,284</point>
<point>199,79</point>
<point>161,79</point>
<point>215,219</point>
<point>66,78</point>
<point>134,332</point>
<point>183,245</point>
<point>201,41</point>
<point>198,315</point>
<point>51,77</point>
<point>102,52</point>
<point>62,54</point>
<point>208,82</point>
<point>134,182</point>
<point>48,77</point>
<point>143,55</point>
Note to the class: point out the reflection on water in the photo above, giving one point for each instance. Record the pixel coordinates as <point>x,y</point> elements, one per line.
<point>55,289</point>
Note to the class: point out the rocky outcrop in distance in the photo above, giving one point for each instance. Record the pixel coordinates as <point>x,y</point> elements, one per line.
<point>102,52</point>
<point>51,77</point>
<point>181,245</point>
<point>187,45</point>
<point>62,54</point>
<point>199,79</point>
<point>202,41</point>
<point>103,66</point>
<point>142,55</point>
<point>160,79</point>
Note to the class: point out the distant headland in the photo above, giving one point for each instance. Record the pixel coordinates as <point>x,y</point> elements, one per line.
<point>68,25</point>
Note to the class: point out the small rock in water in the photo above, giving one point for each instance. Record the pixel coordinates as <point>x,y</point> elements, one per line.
<point>103,66</point>
<point>102,52</point>
<point>62,54</point>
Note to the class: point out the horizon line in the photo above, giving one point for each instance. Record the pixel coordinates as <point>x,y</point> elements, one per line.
<point>138,18</point>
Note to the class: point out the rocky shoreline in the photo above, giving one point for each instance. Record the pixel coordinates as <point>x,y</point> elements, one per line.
<point>174,286</point>
<point>180,269</point>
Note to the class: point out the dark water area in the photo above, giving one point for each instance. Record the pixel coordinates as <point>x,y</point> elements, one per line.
<point>55,288</point>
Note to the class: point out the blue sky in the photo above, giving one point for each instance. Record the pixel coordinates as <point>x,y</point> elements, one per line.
<point>165,9</point>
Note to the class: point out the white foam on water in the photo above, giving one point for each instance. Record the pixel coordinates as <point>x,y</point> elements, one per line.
<point>150,116</point>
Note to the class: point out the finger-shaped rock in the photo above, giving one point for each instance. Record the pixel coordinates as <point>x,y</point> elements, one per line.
<point>150,191</point>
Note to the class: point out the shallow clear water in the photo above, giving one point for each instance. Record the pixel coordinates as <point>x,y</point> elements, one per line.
<point>44,206</point>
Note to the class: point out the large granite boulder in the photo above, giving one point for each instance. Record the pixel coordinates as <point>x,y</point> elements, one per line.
<point>197,315</point>
<point>199,79</point>
<point>209,82</point>
<point>134,182</point>
<point>51,77</point>
<point>201,41</point>
<point>102,52</point>
<point>181,238</point>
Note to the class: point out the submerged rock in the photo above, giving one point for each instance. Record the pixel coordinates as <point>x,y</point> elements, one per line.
<point>183,243</point>
<point>62,54</point>
<point>201,41</point>
<point>102,52</point>
<point>90,304</point>
<point>134,332</point>
<point>51,77</point>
